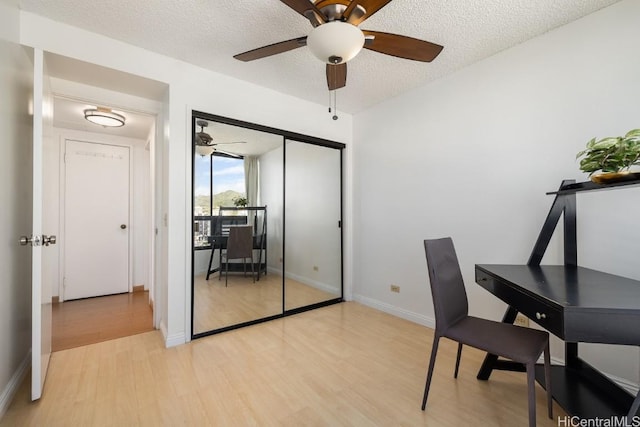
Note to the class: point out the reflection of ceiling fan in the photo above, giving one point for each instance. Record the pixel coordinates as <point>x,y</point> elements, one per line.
<point>335,38</point>
<point>205,145</point>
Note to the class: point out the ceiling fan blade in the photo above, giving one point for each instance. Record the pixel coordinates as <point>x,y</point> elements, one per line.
<point>272,49</point>
<point>370,7</point>
<point>402,46</point>
<point>226,153</point>
<point>336,76</point>
<point>234,142</point>
<point>306,9</point>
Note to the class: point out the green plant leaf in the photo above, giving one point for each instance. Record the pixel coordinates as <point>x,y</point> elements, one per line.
<point>611,154</point>
<point>606,143</point>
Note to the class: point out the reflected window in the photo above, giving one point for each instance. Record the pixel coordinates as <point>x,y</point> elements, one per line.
<point>219,181</point>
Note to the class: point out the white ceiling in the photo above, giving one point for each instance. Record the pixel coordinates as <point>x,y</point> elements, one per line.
<point>78,86</point>
<point>69,114</point>
<point>242,141</point>
<point>209,33</point>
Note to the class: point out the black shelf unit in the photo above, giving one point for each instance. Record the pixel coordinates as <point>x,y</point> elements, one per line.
<point>575,187</point>
<point>578,387</point>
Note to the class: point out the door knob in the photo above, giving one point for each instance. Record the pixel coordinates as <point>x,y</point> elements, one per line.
<point>123,226</point>
<point>47,240</point>
<point>32,240</point>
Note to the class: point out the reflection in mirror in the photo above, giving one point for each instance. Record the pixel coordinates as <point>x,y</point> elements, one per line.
<point>313,244</point>
<point>237,181</point>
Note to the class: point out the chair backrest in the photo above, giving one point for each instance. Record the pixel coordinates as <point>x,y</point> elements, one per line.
<point>447,287</point>
<point>240,243</point>
<point>222,223</point>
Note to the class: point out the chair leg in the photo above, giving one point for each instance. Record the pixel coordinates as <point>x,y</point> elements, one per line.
<point>455,374</point>
<point>252,272</point>
<point>432,362</point>
<point>531,386</point>
<point>226,273</point>
<point>547,379</point>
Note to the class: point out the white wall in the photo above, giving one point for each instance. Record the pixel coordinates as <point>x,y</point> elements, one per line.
<point>16,129</point>
<point>312,191</point>
<point>140,218</point>
<point>472,155</point>
<point>312,211</point>
<point>271,195</point>
<point>190,87</point>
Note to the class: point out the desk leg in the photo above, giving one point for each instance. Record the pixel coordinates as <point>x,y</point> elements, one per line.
<point>213,250</point>
<point>634,408</point>
<point>491,359</point>
<point>571,354</point>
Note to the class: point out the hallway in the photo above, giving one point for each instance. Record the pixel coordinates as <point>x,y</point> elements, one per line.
<point>88,321</point>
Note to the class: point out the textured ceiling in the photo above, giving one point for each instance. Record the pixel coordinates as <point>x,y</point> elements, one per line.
<point>209,33</point>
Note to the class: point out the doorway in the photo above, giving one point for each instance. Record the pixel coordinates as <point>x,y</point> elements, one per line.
<point>96,219</point>
<point>100,185</point>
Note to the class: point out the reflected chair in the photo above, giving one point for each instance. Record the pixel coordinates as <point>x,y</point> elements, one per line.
<point>520,344</point>
<point>239,246</point>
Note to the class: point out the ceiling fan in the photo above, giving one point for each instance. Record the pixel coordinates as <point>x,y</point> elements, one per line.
<point>205,145</point>
<point>336,38</point>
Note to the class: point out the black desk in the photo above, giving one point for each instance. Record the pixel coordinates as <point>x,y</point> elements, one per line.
<point>578,305</point>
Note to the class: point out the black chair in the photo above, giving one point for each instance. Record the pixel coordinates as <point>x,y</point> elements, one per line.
<point>239,245</point>
<point>522,345</point>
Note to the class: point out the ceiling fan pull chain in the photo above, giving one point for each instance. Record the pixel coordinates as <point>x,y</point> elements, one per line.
<point>335,93</point>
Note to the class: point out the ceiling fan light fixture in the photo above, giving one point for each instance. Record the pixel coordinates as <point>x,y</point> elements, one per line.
<point>204,150</point>
<point>335,42</point>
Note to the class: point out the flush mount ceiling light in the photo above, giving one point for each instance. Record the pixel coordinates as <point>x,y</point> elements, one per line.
<point>335,42</point>
<point>104,117</point>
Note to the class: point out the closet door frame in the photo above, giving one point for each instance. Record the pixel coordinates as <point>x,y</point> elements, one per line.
<point>286,135</point>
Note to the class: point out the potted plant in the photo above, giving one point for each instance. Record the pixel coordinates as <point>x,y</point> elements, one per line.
<point>240,202</point>
<point>613,156</point>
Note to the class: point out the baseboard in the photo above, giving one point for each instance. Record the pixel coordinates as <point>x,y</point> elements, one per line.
<point>171,340</point>
<point>399,312</point>
<point>55,300</point>
<point>313,283</point>
<point>14,384</point>
<point>138,288</point>
<point>627,385</point>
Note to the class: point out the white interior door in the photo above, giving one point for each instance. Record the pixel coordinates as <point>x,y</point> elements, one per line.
<point>41,295</point>
<point>96,220</point>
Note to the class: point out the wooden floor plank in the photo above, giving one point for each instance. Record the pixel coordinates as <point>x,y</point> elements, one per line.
<point>87,321</point>
<point>341,365</point>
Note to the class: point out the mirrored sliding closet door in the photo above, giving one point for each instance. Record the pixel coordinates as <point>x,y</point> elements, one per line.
<point>267,237</point>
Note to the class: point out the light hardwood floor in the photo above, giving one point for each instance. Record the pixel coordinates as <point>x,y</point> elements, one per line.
<point>91,320</point>
<point>217,306</point>
<point>341,365</point>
